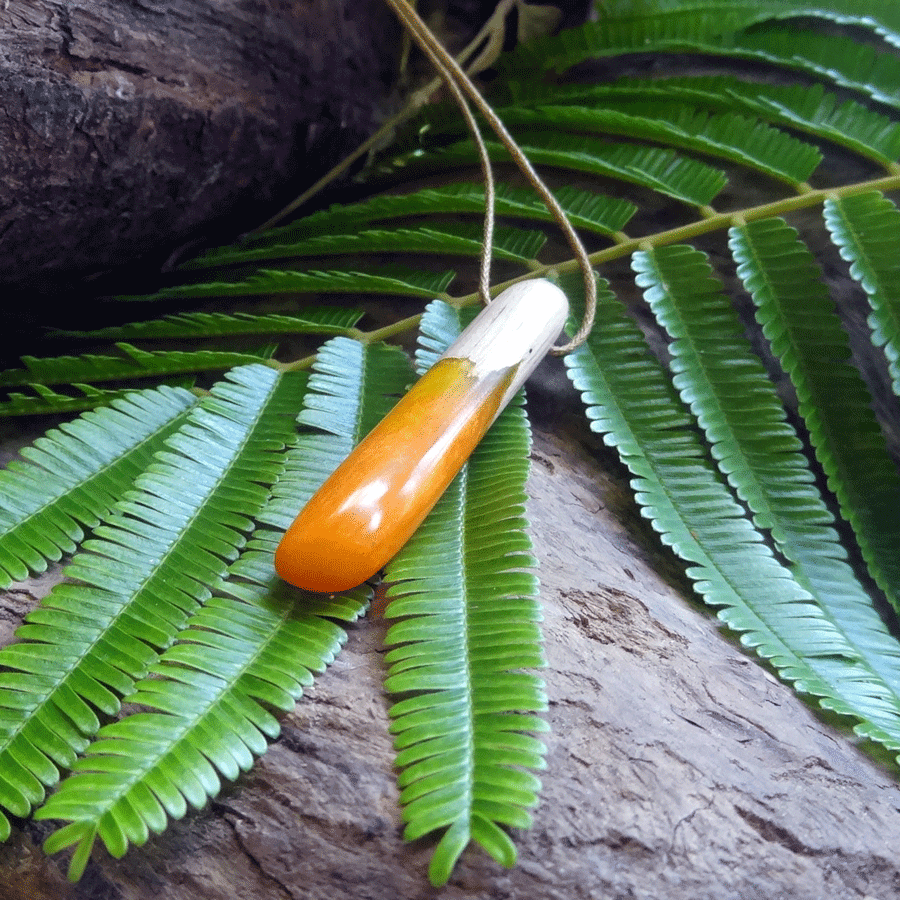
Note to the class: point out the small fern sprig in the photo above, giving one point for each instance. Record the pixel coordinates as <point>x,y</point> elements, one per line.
<point>134,583</point>
<point>467,627</point>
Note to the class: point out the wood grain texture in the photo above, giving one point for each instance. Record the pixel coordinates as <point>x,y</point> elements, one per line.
<point>132,127</point>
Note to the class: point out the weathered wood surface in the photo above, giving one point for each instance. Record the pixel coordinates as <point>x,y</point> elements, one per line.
<point>678,768</point>
<point>133,126</point>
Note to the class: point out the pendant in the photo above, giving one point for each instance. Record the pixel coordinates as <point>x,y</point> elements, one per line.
<point>378,496</point>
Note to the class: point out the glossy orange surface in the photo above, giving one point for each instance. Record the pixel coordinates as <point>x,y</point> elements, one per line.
<point>376,499</point>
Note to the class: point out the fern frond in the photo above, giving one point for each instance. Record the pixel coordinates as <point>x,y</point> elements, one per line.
<point>881,16</point>
<point>44,400</point>
<point>687,180</point>
<point>589,211</point>
<point>134,586</point>
<point>72,476</point>
<point>623,28</point>
<point>515,245</point>
<point>811,109</point>
<point>865,228</point>
<point>323,320</point>
<point>806,108</point>
<point>800,320</point>
<point>393,280</point>
<point>631,402</point>
<point>834,58</point>
<point>727,135</point>
<point>724,28</point>
<point>132,363</point>
<point>728,390</point>
<point>254,642</point>
<point>468,611</point>
<point>208,702</point>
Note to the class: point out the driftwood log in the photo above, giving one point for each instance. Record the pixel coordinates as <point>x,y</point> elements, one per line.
<point>132,127</point>
<point>678,767</point>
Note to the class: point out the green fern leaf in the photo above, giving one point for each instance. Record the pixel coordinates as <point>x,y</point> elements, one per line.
<point>631,402</point>
<point>879,15</point>
<point>510,244</point>
<point>811,109</point>
<point>806,108</point>
<point>45,400</point>
<point>327,320</point>
<point>640,27</point>
<point>207,687</point>
<point>865,228</point>
<point>688,180</point>
<point>736,404</point>
<point>208,717</point>
<point>710,27</point>
<point>800,320</point>
<point>73,476</point>
<point>468,625</point>
<point>841,60</point>
<point>145,574</point>
<point>658,169</point>
<point>392,280</point>
<point>727,135</point>
<point>589,212</point>
<point>133,363</point>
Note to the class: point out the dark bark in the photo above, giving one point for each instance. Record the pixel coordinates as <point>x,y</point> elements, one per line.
<point>130,127</point>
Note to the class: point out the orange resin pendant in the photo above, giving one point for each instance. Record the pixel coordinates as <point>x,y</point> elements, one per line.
<point>375,500</point>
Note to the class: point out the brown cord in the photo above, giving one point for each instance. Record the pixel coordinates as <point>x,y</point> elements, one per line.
<point>460,84</point>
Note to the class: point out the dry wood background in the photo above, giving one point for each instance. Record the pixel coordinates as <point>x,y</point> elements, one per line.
<point>130,127</point>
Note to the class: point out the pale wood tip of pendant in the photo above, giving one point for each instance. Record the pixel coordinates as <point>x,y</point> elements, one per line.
<point>536,290</point>
<point>516,329</point>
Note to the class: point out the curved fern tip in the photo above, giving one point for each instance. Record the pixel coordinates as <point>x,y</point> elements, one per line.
<point>84,834</point>
<point>447,853</point>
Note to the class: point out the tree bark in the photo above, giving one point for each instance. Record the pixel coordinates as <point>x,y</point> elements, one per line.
<point>678,767</point>
<point>131,127</point>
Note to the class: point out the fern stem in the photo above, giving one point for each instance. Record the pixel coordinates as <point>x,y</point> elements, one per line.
<point>625,246</point>
<point>403,326</point>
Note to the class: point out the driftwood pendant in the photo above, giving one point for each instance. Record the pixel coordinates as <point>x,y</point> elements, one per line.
<point>375,500</point>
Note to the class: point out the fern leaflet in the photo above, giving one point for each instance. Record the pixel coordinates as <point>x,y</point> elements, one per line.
<point>209,325</point>
<point>800,320</point>
<point>74,474</point>
<point>865,228</point>
<point>468,626</point>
